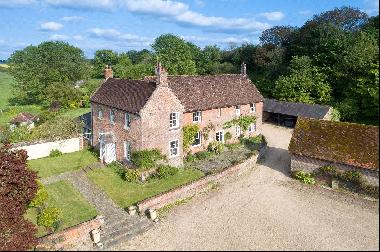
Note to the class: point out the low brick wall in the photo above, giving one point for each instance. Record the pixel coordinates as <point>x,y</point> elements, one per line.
<point>74,238</point>
<point>311,164</point>
<point>197,186</point>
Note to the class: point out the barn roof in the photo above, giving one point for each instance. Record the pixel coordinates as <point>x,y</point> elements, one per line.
<point>340,142</point>
<point>296,109</point>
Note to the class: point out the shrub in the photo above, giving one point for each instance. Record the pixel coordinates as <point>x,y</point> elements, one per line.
<point>49,217</point>
<point>118,168</point>
<point>203,155</point>
<point>131,175</point>
<point>329,170</point>
<point>228,136</point>
<point>233,146</point>
<point>147,159</point>
<point>304,177</point>
<point>353,176</point>
<point>216,147</point>
<point>41,196</point>
<point>190,158</point>
<point>189,133</point>
<point>55,153</point>
<point>165,171</point>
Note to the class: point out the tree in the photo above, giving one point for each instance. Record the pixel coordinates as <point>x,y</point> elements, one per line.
<point>102,58</point>
<point>175,54</point>
<point>18,188</point>
<point>304,83</point>
<point>277,35</point>
<point>122,65</point>
<point>38,67</point>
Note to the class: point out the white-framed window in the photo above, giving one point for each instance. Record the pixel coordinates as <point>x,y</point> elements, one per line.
<point>100,114</point>
<point>237,131</point>
<point>197,140</point>
<point>127,120</point>
<point>197,116</point>
<point>237,110</point>
<point>252,107</point>
<point>252,127</point>
<point>219,112</point>
<point>174,120</point>
<point>112,116</point>
<point>127,151</point>
<point>219,136</point>
<point>173,148</point>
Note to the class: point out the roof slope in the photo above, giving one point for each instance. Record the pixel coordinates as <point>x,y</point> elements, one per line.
<point>340,142</point>
<point>128,95</point>
<point>194,92</point>
<point>213,91</point>
<point>296,108</point>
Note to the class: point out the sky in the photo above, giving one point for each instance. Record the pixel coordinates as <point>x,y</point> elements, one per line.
<point>123,25</point>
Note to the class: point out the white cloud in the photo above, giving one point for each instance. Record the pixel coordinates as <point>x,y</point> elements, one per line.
<point>51,26</point>
<point>72,18</point>
<point>157,7</point>
<point>273,16</point>
<point>16,3</point>
<point>59,37</point>
<point>115,35</point>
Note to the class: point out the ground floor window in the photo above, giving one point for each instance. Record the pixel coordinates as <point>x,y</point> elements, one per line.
<point>237,131</point>
<point>174,149</point>
<point>219,136</point>
<point>252,128</point>
<point>127,151</point>
<point>197,139</point>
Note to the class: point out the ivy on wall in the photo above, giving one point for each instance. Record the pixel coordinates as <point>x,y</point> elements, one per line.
<point>189,133</point>
<point>243,121</point>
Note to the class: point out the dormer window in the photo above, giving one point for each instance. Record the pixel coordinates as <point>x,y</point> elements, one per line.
<point>174,120</point>
<point>112,116</point>
<point>253,107</point>
<point>197,117</point>
<point>237,110</point>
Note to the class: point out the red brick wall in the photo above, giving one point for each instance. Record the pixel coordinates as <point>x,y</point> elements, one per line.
<point>74,238</point>
<point>227,114</point>
<point>133,134</point>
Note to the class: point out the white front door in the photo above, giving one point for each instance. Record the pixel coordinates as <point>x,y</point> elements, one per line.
<point>109,152</point>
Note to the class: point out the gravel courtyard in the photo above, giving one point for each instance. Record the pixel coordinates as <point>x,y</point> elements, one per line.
<point>266,210</point>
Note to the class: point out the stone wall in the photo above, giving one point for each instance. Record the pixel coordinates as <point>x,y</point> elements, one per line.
<point>42,149</point>
<point>197,186</point>
<point>311,164</point>
<point>227,114</point>
<point>74,238</point>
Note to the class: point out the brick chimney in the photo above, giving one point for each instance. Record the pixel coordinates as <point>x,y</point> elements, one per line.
<point>108,72</point>
<point>162,75</point>
<point>243,69</point>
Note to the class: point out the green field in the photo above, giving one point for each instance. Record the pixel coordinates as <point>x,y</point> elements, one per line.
<point>50,166</point>
<point>128,193</point>
<point>75,208</point>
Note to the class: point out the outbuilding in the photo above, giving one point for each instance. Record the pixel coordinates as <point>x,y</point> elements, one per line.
<point>286,113</point>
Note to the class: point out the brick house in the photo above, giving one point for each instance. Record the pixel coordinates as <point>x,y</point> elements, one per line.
<point>346,146</point>
<point>132,115</point>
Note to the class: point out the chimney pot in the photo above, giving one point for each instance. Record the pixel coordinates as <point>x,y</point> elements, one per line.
<point>108,72</point>
<point>162,75</point>
<point>243,69</point>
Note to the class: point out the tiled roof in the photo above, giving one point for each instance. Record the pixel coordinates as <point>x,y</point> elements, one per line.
<point>340,142</point>
<point>194,92</point>
<point>214,91</point>
<point>128,95</point>
<point>296,109</point>
<point>24,117</point>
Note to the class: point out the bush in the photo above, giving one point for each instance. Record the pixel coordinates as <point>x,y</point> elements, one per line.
<point>118,168</point>
<point>233,146</point>
<point>228,136</point>
<point>49,217</point>
<point>165,171</point>
<point>329,170</point>
<point>55,153</point>
<point>353,177</point>
<point>131,175</point>
<point>41,196</point>
<point>147,159</point>
<point>190,158</point>
<point>216,147</point>
<point>203,155</point>
<point>304,177</point>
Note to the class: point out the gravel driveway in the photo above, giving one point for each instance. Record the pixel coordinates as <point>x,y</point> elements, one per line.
<point>266,210</point>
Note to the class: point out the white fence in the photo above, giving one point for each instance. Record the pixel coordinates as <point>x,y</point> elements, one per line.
<point>43,149</point>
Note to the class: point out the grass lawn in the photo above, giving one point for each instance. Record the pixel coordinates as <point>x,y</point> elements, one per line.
<point>127,193</point>
<point>50,166</point>
<point>73,113</point>
<point>75,208</point>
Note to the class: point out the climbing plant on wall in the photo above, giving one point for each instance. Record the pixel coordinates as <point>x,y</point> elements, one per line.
<point>243,121</point>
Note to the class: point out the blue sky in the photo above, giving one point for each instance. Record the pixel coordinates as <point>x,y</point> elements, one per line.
<point>123,25</point>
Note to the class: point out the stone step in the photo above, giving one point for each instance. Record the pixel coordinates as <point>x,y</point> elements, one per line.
<point>126,233</point>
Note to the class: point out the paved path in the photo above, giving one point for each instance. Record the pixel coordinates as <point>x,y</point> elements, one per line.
<point>267,210</point>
